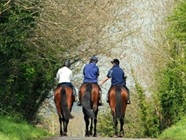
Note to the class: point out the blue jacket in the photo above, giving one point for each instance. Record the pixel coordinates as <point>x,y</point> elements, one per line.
<point>117,76</point>
<point>91,73</point>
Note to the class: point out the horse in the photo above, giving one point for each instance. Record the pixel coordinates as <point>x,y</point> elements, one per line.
<point>89,98</point>
<point>118,102</point>
<point>63,98</point>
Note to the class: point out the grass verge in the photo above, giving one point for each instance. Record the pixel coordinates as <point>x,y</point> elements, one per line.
<point>20,130</point>
<point>175,132</point>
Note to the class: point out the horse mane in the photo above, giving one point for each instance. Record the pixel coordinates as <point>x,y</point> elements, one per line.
<point>64,106</point>
<point>86,101</point>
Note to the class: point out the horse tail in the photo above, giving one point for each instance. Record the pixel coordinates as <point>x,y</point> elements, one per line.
<point>119,103</point>
<point>64,106</point>
<point>86,101</point>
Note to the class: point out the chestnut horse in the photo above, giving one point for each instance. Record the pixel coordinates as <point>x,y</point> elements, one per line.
<point>118,102</point>
<point>63,98</point>
<point>89,98</point>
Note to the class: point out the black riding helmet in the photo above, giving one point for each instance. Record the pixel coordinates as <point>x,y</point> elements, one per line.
<point>115,61</point>
<point>67,63</point>
<point>94,59</point>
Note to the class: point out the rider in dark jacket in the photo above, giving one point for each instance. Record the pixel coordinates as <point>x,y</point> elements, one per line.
<point>117,76</point>
<point>91,73</point>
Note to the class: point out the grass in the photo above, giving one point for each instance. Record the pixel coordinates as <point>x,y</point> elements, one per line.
<point>176,132</point>
<point>11,129</point>
<point>20,130</point>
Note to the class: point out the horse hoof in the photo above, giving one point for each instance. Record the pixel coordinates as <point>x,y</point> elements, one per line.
<point>121,136</point>
<point>64,135</point>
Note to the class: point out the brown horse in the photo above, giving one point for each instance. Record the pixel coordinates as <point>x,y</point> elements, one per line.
<point>63,98</point>
<point>89,98</point>
<point>118,102</point>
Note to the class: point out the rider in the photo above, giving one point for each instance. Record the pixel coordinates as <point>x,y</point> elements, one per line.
<point>117,76</point>
<point>91,73</point>
<point>64,76</point>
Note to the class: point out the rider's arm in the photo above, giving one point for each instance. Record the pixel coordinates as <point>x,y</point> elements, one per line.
<point>109,75</point>
<point>103,81</point>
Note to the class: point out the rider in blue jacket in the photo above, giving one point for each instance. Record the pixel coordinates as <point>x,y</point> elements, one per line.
<point>91,73</point>
<point>117,76</point>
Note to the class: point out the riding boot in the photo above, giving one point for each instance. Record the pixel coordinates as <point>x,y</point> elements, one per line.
<point>107,98</point>
<point>128,99</point>
<point>74,94</point>
<point>78,102</point>
<point>100,98</point>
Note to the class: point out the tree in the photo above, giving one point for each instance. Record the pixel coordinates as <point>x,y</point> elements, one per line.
<point>36,37</point>
<point>25,80</point>
<point>172,82</point>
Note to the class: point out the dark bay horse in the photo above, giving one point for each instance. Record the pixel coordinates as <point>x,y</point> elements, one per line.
<point>63,98</point>
<point>89,98</point>
<point>118,102</point>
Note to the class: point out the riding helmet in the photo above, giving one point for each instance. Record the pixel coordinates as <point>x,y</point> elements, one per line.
<point>94,58</point>
<point>115,61</point>
<point>67,63</point>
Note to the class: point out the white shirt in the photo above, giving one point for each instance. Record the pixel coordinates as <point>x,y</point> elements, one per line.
<point>64,74</point>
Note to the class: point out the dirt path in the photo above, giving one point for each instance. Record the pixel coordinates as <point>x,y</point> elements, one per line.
<point>96,138</point>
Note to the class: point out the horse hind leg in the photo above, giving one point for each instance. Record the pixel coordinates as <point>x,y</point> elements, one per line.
<point>121,127</point>
<point>65,126</point>
<point>95,127</point>
<point>60,126</point>
<point>91,126</point>
<point>115,127</point>
<point>86,126</point>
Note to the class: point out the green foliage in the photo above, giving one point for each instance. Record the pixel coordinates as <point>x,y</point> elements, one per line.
<point>172,80</point>
<point>26,73</point>
<point>147,113</point>
<point>178,22</point>
<point>13,130</point>
<point>176,132</point>
<point>172,94</point>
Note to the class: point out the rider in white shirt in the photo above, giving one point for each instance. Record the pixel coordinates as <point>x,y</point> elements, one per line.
<point>64,77</point>
<point>64,74</point>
